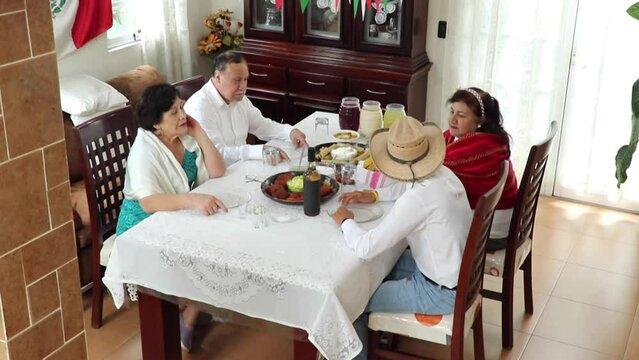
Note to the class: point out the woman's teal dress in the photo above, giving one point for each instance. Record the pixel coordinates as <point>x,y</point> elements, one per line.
<point>132,213</point>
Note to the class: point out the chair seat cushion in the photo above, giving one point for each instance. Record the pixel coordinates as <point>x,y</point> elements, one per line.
<point>105,252</point>
<point>432,328</point>
<point>495,260</point>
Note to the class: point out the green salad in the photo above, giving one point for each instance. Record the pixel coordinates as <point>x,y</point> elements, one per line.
<point>296,184</point>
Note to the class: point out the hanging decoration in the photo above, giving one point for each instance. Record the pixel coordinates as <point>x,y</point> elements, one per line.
<point>357,5</point>
<point>278,4</point>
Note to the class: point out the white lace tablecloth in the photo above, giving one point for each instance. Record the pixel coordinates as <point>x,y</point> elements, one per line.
<point>298,274</point>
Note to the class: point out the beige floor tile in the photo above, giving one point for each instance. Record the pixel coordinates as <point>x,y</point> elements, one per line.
<point>597,287</point>
<point>543,349</point>
<point>522,322</point>
<point>117,327</point>
<point>585,326</point>
<point>614,226</point>
<point>492,344</point>
<point>561,215</point>
<point>546,272</point>
<point>131,349</point>
<point>632,350</point>
<point>554,243</point>
<point>606,254</point>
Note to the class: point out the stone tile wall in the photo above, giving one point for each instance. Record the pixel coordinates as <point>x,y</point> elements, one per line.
<point>40,301</point>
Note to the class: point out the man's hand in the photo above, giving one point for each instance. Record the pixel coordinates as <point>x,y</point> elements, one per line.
<point>342,214</point>
<point>298,138</point>
<point>365,197</point>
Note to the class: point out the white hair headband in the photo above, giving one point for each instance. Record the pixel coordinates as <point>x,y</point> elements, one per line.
<point>481,103</point>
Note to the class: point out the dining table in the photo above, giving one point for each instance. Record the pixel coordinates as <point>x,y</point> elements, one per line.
<point>286,268</point>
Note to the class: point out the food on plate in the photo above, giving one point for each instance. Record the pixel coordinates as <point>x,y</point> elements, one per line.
<point>279,188</point>
<point>346,135</point>
<point>296,184</point>
<point>343,153</point>
<point>325,153</point>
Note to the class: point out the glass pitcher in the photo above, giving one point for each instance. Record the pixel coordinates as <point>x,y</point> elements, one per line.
<point>393,112</point>
<point>349,114</point>
<point>370,118</point>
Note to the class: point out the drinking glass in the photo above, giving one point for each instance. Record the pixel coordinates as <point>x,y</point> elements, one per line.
<point>270,155</point>
<point>258,211</point>
<point>347,176</point>
<point>321,122</point>
<point>393,113</point>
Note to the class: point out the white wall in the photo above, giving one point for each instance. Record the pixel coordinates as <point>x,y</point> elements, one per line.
<point>435,47</point>
<point>96,60</point>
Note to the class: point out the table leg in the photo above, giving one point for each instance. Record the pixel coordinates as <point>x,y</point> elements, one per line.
<point>302,348</point>
<point>159,328</point>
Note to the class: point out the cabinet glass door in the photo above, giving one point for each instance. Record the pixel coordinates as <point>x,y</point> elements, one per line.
<point>325,22</point>
<point>387,27</point>
<point>265,20</point>
<point>382,25</point>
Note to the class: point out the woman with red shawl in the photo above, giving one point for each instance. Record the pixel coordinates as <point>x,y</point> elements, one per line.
<point>476,146</point>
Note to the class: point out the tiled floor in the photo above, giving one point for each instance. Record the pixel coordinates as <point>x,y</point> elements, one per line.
<point>586,297</point>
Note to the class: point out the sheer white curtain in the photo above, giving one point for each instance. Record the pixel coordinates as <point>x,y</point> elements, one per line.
<point>165,32</point>
<point>597,118</point>
<point>519,51</point>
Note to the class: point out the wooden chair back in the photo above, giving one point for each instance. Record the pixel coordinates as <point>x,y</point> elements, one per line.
<point>104,143</point>
<point>471,274</point>
<point>188,87</point>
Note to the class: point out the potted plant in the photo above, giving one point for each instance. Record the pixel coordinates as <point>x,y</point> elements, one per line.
<point>624,154</point>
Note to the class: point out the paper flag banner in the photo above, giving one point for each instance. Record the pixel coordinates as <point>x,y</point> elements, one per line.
<point>278,4</point>
<point>304,4</point>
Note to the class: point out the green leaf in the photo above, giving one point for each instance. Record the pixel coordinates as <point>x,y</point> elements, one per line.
<point>634,100</point>
<point>633,11</point>
<point>304,5</point>
<point>625,153</point>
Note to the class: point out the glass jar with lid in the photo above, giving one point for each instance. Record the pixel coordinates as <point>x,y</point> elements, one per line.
<point>370,118</point>
<point>349,114</point>
<point>393,112</point>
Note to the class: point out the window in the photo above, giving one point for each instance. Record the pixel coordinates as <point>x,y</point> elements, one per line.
<point>125,29</point>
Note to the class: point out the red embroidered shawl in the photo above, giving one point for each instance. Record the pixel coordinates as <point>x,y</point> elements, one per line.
<point>476,160</point>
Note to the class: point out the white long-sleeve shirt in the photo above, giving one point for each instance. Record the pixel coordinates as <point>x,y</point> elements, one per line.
<point>433,216</point>
<point>228,124</point>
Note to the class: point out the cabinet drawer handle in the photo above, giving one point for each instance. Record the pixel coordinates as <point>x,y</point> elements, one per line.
<point>315,83</point>
<point>258,74</point>
<point>376,92</point>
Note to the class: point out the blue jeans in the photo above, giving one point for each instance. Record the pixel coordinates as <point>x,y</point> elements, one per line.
<point>405,290</point>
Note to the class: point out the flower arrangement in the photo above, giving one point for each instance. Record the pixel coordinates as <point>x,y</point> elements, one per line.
<point>224,35</point>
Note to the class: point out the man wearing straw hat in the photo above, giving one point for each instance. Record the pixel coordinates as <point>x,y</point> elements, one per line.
<point>431,213</point>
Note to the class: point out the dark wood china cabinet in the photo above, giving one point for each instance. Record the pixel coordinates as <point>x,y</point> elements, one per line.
<point>303,62</point>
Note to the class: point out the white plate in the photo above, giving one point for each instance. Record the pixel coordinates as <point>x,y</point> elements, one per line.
<point>232,200</point>
<point>363,212</point>
<point>349,135</point>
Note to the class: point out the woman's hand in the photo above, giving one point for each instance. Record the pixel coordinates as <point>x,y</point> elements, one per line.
<point>342,214</point>
<point>194,128</point>
<point>365,197</point>
<point>207,204</point>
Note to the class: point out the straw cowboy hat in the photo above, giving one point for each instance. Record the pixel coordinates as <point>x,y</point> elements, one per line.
<point>408,151</point>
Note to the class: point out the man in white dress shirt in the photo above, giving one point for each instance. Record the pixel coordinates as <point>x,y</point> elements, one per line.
<point>227,115</point>
<point>432,215</point>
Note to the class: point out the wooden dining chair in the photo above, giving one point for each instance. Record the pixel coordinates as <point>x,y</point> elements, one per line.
<point>448,329</point>
<point>104,144</point>
<point>188,87</point>
<point>518,252</point>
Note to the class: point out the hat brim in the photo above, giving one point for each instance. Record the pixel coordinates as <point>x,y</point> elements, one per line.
<point>422,168</point>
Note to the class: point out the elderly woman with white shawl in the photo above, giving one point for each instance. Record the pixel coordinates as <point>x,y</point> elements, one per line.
<point>170,156</point>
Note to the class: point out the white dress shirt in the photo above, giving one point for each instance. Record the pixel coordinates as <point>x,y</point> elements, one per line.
<point>228,124</point>
<point>433,216</point>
